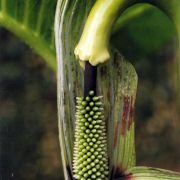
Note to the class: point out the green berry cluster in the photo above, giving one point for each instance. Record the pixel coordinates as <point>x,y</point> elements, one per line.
<point>90,159</point>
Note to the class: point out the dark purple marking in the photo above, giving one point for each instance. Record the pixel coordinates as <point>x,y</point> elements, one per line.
<point>128,114</point>
<point>69,173</point>
<point>120,174</point>
<point>90,78</point>
<point>127,118</point>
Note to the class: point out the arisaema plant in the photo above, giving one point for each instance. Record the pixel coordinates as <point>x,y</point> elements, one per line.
<point>96,84</point>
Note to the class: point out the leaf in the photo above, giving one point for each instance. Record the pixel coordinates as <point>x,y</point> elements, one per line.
<point>70,18</point>
<point>113,77</point>
<point>124,87</point>
<point>172,9</point>
<point>28,20</point>
<point>69,21</point>
<point>144,34</point>
<point>149,173</point>
<point>32,21</point>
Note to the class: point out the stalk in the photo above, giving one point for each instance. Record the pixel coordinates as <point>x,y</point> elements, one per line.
<point>94,43</point>
<point>90,78</point>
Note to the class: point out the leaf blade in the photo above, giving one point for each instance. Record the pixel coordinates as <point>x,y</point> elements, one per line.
<point>149,173</point>
<point>22,18</point>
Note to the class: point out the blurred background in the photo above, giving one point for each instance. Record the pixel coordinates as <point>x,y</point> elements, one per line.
<point>29,146</point>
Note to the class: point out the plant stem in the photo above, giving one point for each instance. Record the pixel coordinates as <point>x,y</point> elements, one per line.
<point>94,43</point>
<point>90,76</point>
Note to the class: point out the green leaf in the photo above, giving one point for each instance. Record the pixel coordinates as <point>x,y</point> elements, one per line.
<point>144,34</point>
<point>69,22</point>
<point>149,173</point>
<point>33,22</point>
<point>172,10</point>
<point>117,79</point>
<point>70,78</point>
<point>122,124</point>
<point>70,19</point>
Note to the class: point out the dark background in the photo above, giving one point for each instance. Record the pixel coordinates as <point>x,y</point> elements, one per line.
<point>29,146</point>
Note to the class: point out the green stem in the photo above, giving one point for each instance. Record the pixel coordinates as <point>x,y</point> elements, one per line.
<point>94,43</point>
